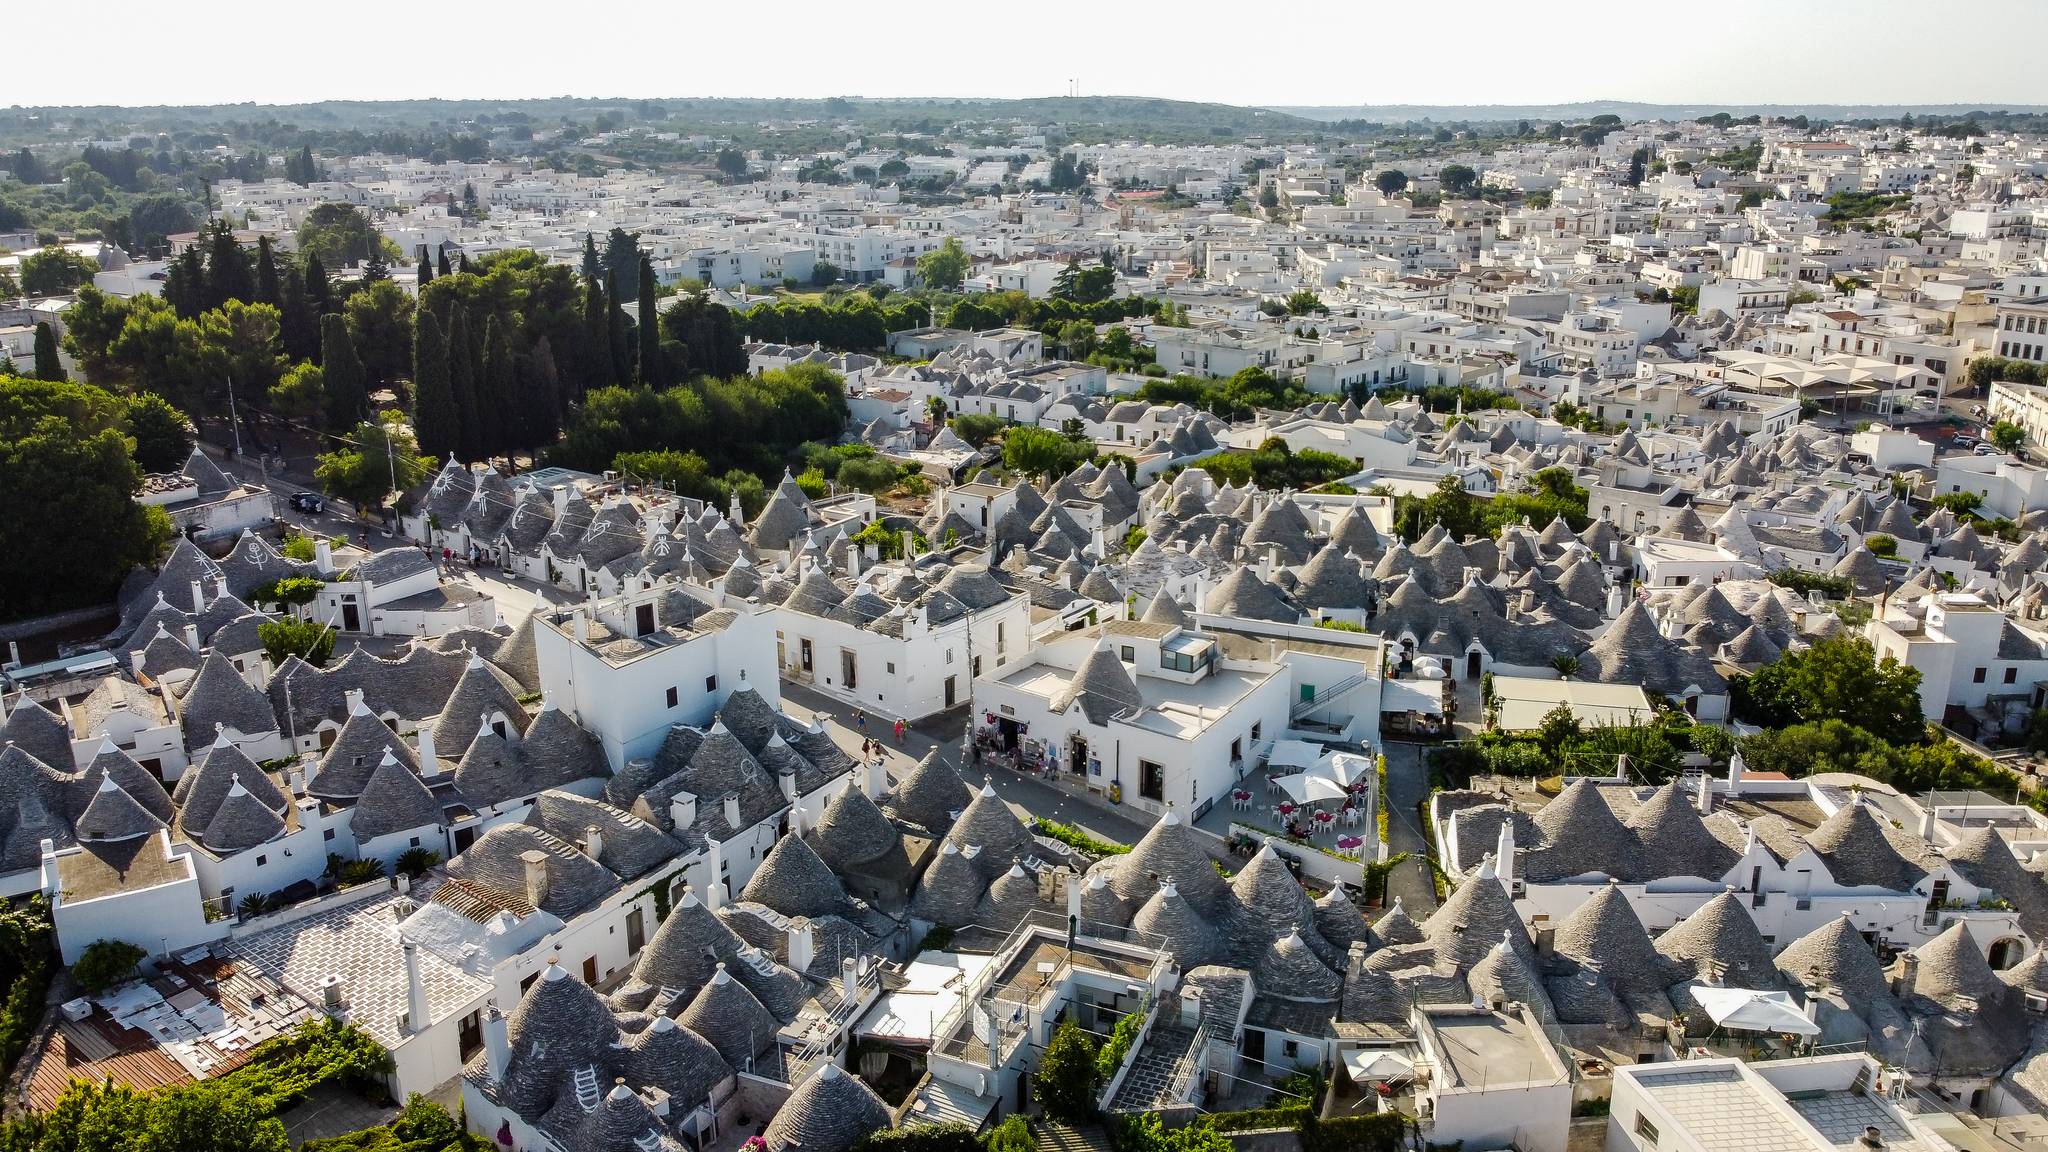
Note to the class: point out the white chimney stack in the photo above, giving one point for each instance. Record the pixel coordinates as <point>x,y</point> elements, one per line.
<point>1706,794</point>
<point>536,867</point>
<point>593,842</point>
<point>875,780</point>
<point>803,946</point>
<point>849,979</point>
<point>323,556</point>
<point>732,811</point>
<point>416,1009</point>
<point>430,764</point>
<point>198,597</point>
<point>192,637</point>
<point>497,1044</point>
<point>1504,852</point>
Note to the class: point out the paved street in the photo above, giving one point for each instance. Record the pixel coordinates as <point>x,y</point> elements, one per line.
<point>1407,784</point>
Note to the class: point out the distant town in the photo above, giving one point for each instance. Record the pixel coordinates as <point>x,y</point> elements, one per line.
<point>976,626</point>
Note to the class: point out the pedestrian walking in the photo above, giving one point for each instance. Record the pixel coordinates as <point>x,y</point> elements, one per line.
<point>899,733</point>
<point>860,720</point>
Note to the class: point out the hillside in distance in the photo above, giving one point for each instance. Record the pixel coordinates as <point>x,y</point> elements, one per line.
<point>1631,111</point>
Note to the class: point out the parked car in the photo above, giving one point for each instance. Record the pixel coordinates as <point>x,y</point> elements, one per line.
<point>311,503</point>
<point>1964,442</point>
<point>1986,450</point>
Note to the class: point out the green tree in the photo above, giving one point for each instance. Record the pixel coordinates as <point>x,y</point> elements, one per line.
<point>229,275</point>
<point>2007,436</point>
<point>162,435</point>
<point>1390,181</point>
<point>48,366</point>
<point>348,394</point>
<point>338,234</point>
<point>1040,451</point>
<point>308,640</point>
<point>1065,1080</point>
<point>78,529</point>
<point>269,283</point>
<point>734,164</point>
<point>1457,179</point>
<point>945,267</point>
<point>54,271</point>
<point>1078,338</point>
<point>1837,678</point>
<point>496,390</point>
<point>300,396</point>
<point>1559,727</point>
<point>380,458</point>
<point>105,963</point>
<point>380,329</point>
<point>652,373</point>
<point>435,416</point>
<point>465,368</point>
<point>1881,545</point>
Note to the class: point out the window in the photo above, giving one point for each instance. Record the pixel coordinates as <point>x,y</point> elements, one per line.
<point>976,669</point>
<point>1977,677</point>
<point>1646,1130</point>
<point>415,842</point>
<point>327,834</point>
<point>891,666</point>
<point>1258,726</point>
<point>2011,674</point>
<point>1125,654</point>
<point>262,860</point>
<point>1151,780</point>
<point>671,696</point>
<point>711,684</point>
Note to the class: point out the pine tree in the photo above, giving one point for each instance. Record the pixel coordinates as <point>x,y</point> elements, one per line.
<point>462,374</point>
<point>319,290</point>
<point>309,170</point>
<point>348,395</point>
<point>497,397</point>
<point>425,276</point>
<point>434,417</point>
<point>651,374</point>
<point>596,357</point>
<point>298,322</point>
<point>376,267</point>
<point>615,341</point>
<point>48,366</point>
<point>267,285</point>
<point>592,270</point>
<point>441,264</point>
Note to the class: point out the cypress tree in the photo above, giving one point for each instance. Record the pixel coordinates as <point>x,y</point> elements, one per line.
<point>462,261</point>
<point>348,393</point>
<point>426,272</point>
<point>441,265</point>
<point>615,340</point>
<point>597,357</point>
<point>651,374</point>
<point>621,262</point>
<point>48,366</point>
<point>227,268</point>
<point>434,417</point>
<point>592,270</point>
<point>496,396</point>
<point>185,283</point>
<point>268,288</point>
<point>462,374</point>
<point>298,322</point>
<point>319,290</point>
<point>542,389</point>
<point>376,267</point>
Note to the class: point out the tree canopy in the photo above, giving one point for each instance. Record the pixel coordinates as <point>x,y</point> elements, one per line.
<point>1837,678</point>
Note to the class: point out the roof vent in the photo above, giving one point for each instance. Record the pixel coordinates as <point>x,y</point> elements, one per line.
<point>1871,1137</point>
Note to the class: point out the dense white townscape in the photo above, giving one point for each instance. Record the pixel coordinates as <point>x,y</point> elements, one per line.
<point>1526,635</point>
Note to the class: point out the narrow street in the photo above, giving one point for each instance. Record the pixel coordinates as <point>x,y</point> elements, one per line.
<point>1407,784</point>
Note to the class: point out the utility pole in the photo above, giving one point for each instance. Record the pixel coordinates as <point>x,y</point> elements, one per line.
<point>234,421</point>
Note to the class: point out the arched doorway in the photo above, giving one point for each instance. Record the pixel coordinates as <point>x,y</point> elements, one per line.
<point>2005,953</point>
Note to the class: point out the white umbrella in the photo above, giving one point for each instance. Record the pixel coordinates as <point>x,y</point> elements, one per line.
<point>1307,788</point>
<point>1369,1064</point>
<point>1748,1010</point>
<point>1293,754</point>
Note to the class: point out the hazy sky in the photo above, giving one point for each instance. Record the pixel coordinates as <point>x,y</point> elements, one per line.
<point>1333,52</point>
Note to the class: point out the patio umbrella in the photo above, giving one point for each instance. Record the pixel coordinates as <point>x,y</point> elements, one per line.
<point>1745,1010</point>
<point>1293,754</point>
<point>1308,787</point>
<point>1367,1065</point>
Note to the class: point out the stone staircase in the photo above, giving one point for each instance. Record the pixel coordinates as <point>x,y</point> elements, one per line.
<point>1054,1136</point>
<point>1155,1074</point>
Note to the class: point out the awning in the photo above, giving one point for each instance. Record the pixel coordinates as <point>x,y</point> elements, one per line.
<point>1372,1064</point>
<point>1748,1010</point>
<point>1425,696</point>
<point>1294,754</point>
<point>1309,787</point>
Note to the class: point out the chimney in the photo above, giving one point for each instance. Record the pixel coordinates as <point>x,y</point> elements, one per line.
<point>1706,794</point>
<point>1504,853</point>
<point>1074,883</point>
<point>561,500</point>
<point>354,696</point>
<point>1617,599</point>
<point>803,946</point>
<point>1872,1138</point>
<point>198,597</point>
<point>1927,820</point>
<point>1546,935</point>
<point>849,979</point>
<point>732,811</point>
<point>192,637</point>
<point>497,1044</point>
<point>582,628</point>
<point>430,764</point>
<point>1909,975</point>
<point>876,780</point>
<point>416,1010</point>
<point>682,810</point>
<point>536,864</point>
<point>593,842</point>
<point>796,819</point>
<point>1613,551</point>
<point>1735,770</point>
<point>323,557</point>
